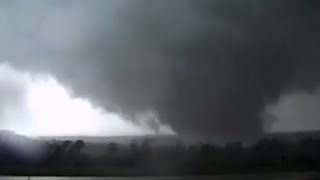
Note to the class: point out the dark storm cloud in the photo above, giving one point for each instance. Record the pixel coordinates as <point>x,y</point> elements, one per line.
<point>208,68</point>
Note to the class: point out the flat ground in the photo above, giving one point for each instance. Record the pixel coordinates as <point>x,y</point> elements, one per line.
<point>260,176</point>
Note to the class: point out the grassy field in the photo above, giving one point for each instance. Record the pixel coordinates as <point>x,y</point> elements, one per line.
<point>131,172</point>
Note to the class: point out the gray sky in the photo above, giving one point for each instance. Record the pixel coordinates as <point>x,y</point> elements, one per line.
<point>297,111</point>
<point>207,68</point>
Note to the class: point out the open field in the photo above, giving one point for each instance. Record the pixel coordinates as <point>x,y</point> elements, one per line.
<point>260,176</point>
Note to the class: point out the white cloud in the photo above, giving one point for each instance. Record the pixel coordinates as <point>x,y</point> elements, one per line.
<point>297,112</point>
<point>38,105</point>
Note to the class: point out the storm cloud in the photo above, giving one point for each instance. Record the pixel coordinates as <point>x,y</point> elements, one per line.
<point>207,68</point>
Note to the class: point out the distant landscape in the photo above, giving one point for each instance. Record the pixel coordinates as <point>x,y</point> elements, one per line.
<point>154,155</point>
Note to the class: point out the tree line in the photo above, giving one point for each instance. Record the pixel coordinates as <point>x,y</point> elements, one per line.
<point>267,153</point>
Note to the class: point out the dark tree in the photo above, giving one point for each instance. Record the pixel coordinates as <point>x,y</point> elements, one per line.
<point>234,147</point>
<point>146,146</point>
<point>79,145</point>
<point>112,148</point>
<point>134,147</point>
<point>65,145</point>
<point>73,154</point>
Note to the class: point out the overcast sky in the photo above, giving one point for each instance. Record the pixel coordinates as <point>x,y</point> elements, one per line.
<point>207,68</point>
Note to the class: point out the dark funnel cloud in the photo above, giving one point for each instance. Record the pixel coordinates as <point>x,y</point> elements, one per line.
<point>208,68</point>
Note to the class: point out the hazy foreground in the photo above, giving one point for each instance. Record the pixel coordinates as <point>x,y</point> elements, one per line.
<point>269,176</point>
<point>24,156</point>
